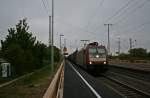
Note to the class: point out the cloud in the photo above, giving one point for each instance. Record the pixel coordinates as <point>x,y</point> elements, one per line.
<point>72,18</point>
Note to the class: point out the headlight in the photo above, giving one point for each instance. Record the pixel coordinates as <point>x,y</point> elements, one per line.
<point>90,62</point>
<point>97,56</point>
<point>104,62</point>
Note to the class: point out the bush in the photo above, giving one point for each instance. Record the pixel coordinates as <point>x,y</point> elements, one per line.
<point>22,51</point>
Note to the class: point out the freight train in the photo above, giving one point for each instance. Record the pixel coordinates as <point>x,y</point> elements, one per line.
<point>91,57</point>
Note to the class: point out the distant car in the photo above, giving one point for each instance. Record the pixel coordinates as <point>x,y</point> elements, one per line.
<point>91,57</point>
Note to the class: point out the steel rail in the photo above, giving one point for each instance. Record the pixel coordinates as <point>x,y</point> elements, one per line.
<point>147,95</point>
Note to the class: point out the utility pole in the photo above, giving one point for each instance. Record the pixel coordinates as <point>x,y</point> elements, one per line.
<point>60,43</point>
<point>50,37</point>
<point>135,44</point>
<point>52,46</point>
<point>64,42</point>
<point>108,45</point>
<point>118,46</point>
<point>64,46</point>
<point>130,42</point>
<point>50,31</point>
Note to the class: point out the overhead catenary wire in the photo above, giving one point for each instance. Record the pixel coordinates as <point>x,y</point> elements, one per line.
<point>125,11</point>
<point>94,13</point>
<point>48,6</point>
<point>133,11</point>
<point>138,26</point>
<point>45,8</point>
<point>125,6</point>
<point>51,30</point>
<point>73,26</point>
<point>120,10</point>
<point>115,14</point>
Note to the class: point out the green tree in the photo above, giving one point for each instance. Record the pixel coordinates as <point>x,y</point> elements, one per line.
<point>123,56</point>
<point>23,52</point>
<point>19,35</point>
<point>138,52</point>
<point>40,53</point>
<point>148,55</point>
<point>56,53</point>
<point>18,46</point>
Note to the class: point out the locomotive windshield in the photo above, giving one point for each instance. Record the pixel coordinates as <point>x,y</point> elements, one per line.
<point>92,50</point>
<point>97,52</point>
<point>101,50</point>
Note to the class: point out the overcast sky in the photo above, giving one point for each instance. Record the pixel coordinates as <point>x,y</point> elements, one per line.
<point>82,19</point>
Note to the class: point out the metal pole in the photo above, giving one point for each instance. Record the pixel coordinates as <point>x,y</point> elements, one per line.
<point>135,43</point>
<point>52,47</point>
<point>108,40</point>
<point>60,43</point>
<point>60,48</point>
<point>64,42</point>
<point>118,46</point>
<point>50,35</point>
<point>50,31</point>
<point>108,45</point>
<point>130,42</point>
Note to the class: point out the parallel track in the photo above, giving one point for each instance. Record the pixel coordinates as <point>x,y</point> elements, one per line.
<point>142,67</point>
<point>124,89</point>
<point>140,75</point>
<point>129,82</point>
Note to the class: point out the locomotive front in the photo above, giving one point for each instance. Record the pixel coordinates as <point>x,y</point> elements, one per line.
<point>96,56</point>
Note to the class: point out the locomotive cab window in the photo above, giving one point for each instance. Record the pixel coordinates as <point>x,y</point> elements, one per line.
<point>92,50</point>
<point>101,51</point>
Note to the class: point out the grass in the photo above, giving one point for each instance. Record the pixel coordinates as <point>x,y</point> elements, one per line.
<point>33,86</point>
<point>6,79</point>
<point>3,80</point>
<point>36,78</point>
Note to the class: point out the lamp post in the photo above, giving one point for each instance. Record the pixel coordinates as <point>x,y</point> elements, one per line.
<point>108,45</point>
<point>52,40</point>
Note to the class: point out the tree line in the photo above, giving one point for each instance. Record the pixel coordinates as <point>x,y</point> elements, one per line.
<point>23,51</point>
<point>134,54</point>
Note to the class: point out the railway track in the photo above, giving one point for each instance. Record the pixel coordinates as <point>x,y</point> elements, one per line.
<point>140,68</point>
<point>129,82</point>
<point>126,82</point>
<point>124,89</point>
<point>130,72</point>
